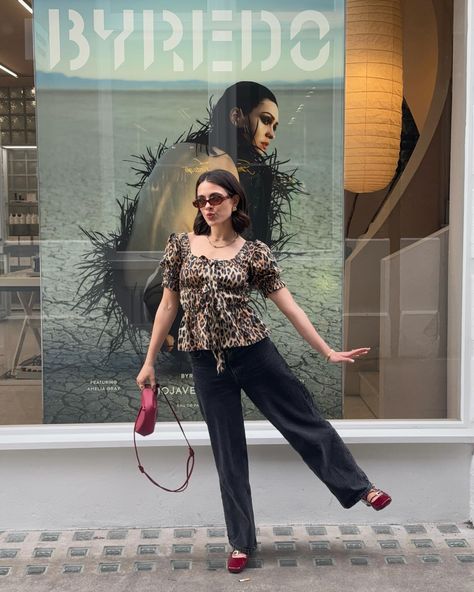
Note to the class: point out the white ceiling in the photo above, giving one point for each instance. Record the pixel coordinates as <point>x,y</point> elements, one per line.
<point>15,45</point>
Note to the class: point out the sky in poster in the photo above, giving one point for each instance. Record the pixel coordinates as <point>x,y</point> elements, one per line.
<point>89,56</point>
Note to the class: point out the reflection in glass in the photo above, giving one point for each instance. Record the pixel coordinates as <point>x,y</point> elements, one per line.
<point>30,122</point>
<point>18,167</point>
<point>18,138</point>
<point>396,270</point>
<point>20,337</point>
<point>18,182</point>
<point>17,107</point>
<point>17,122</point>
<point>16,93</point>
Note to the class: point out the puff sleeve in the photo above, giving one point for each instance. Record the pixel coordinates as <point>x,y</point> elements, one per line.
<point>171,263</point>
<point>264,271</point>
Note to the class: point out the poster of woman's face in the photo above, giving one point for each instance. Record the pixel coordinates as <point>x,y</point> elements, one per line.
<point>134,102</point>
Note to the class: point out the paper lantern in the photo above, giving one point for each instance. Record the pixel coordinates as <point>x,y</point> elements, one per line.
<point>373,93</point>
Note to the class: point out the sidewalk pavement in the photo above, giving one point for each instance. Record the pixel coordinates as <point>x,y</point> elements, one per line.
<point>333,558</point>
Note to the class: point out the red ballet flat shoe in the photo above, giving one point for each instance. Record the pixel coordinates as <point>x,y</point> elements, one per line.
<point>237,561</point>
<point>377,499</point>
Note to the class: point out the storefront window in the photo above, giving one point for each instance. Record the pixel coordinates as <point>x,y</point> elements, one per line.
<point>354,198</point>
<point>398,247</point>
<point>123,126</point>
<point>20,311</point>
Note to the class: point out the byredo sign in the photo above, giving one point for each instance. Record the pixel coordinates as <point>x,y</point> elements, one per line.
<point>210,31</point>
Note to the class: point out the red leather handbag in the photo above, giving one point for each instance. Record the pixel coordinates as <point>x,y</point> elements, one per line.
<point>146,418</point>
<point>145,425</point>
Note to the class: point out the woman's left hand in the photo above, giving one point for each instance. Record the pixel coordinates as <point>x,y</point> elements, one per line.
<point>348,356</point>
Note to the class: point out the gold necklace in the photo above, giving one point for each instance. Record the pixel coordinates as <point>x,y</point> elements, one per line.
<point>222,246</point>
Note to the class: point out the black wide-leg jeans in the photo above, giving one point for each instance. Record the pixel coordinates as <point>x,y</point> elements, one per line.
<point>266,378</point>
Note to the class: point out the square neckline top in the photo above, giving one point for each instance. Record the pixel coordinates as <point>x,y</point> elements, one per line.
<point>215,294</point>
<point>186,234</point>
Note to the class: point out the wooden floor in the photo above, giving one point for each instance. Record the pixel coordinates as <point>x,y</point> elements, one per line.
<point>355,408</point>
<point>21,400</point>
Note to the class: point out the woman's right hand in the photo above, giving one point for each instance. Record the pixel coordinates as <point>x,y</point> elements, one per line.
<point>146,376</point>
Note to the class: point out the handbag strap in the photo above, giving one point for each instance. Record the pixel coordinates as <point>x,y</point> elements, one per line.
<point>189,462</point>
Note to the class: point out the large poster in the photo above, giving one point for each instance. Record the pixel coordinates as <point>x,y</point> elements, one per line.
<point>135,100</point>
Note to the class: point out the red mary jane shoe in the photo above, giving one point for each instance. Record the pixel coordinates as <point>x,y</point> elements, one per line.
<point>377,499</point>
<point>237,561</point>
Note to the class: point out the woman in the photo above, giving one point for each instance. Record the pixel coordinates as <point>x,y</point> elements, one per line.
<point>211,272</point>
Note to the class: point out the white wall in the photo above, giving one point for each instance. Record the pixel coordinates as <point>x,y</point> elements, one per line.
<point>58,489</point>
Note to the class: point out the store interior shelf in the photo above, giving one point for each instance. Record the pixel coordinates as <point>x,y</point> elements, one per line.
<point>23,229</point>
<point>22,202</point>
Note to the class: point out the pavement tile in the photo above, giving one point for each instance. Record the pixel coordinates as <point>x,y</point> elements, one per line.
<point>16,537</point>
<point>118,534</point>
<point>83,535</point>
<point>182,548</point>
<point>290,562</point>
<point>382,529</point>
<point>282,530</point>
<point>415,528</point>
<point>316,530</point>
<point>8,553</point>
<point>184,533</point>
<point>216,564</point>
<point>448,528</point>
<point>49,536</point>
<point>323,561</point>
<point>142,566</point>
<point>180,564</point>
<point>78,551</point>
<point>73,569</point>
<point>349,530</point>
<point>216,532</point>
<point>395,559</point>
<point>152,533</point>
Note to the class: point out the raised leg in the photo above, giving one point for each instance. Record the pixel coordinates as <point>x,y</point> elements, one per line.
<point>288,405</point>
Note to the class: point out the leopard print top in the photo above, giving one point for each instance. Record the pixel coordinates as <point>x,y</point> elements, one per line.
<point>215,294</point>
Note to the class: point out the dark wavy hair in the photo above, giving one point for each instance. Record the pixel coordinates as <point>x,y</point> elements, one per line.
<point>240,218</point>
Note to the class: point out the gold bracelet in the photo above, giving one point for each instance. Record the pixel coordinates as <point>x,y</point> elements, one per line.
<point>331,351</point>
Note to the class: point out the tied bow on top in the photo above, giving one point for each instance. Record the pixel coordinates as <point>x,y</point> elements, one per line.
<point>218,315</point>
